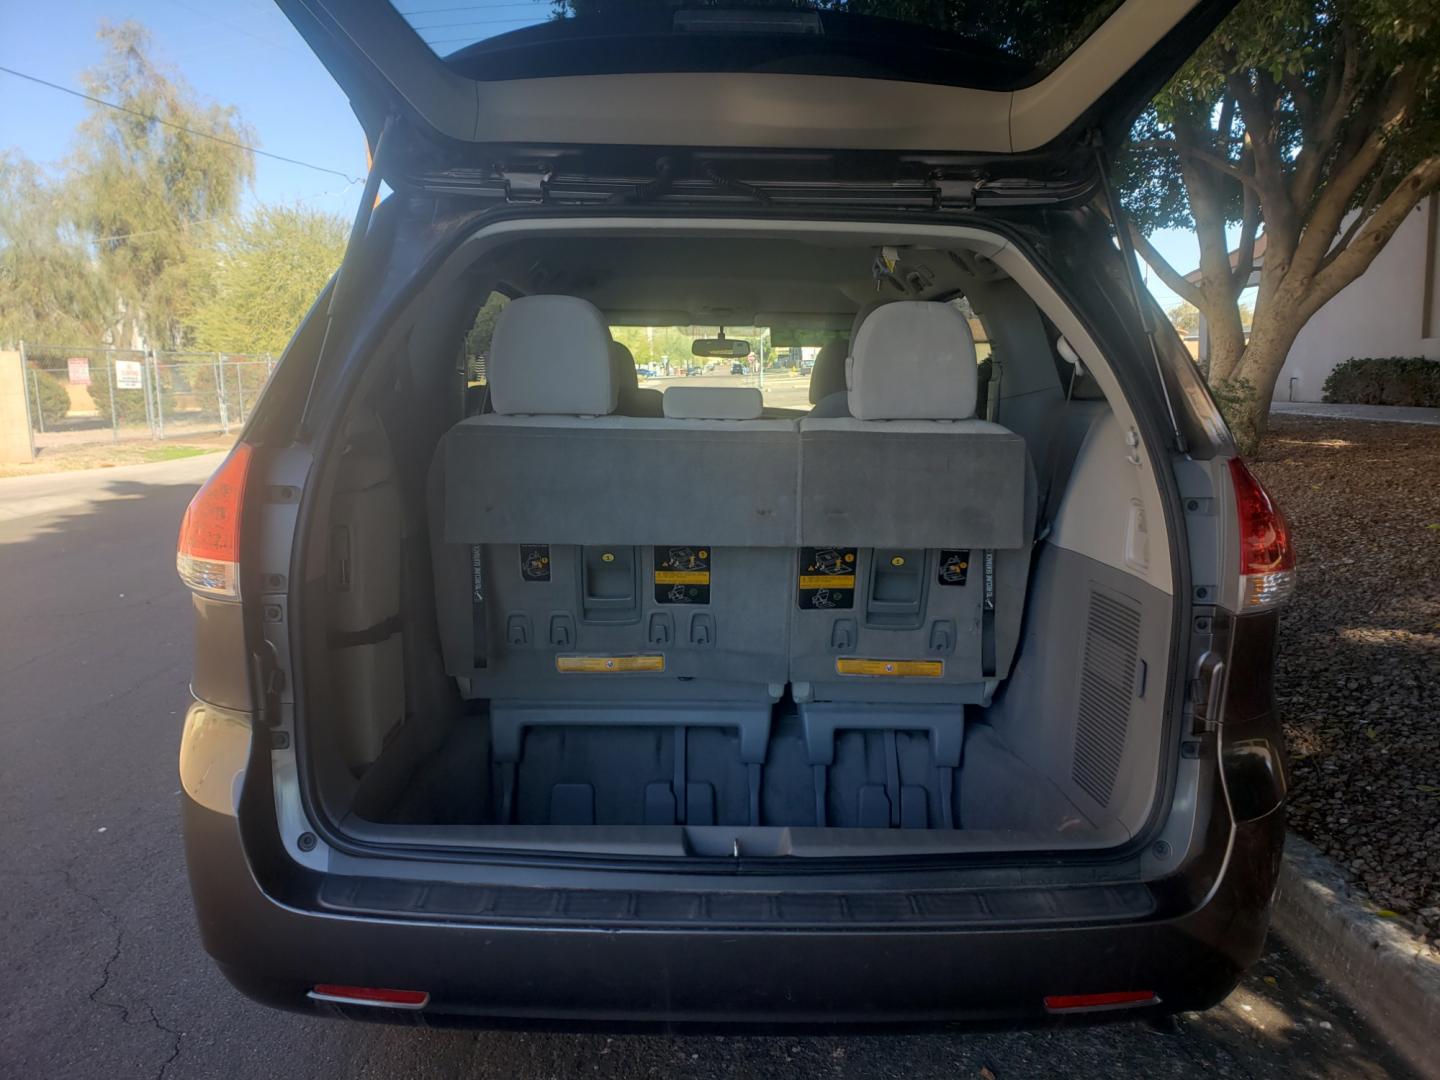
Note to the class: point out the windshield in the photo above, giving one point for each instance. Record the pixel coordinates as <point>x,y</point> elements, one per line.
<point>665,356</point>
<point>1000,44</point>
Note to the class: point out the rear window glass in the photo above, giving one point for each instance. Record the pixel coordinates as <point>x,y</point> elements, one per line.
<point>999,44</point>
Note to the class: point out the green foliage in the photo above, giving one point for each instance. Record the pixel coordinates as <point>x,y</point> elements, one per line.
<point>1389,380</point>
<point>265,274</point>
<point>1184,317</point>
<point>144,193</point>
<point>1240,404</point>
<point>477,341</point>
<point>50,290</point>
<point>54,399</point>
<point>1279,47</point>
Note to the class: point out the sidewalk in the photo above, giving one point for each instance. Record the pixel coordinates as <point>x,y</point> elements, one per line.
<point>50,493</point>
<point>1390,414</point>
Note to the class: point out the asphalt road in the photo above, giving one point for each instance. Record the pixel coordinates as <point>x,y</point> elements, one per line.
<point>101,972</point>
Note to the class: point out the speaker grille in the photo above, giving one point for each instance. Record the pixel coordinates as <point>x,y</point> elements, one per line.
<point>1107,686</point>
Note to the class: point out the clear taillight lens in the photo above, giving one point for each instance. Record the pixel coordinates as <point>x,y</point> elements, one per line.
<point>1267,558</point>
<point>207,556</point>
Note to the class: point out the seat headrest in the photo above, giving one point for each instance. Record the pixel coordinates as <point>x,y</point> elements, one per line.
<point>913,360</point>
<point>550,356</point>
<point>828,375</point>
<point>713,403</point>
<point>623,361</point>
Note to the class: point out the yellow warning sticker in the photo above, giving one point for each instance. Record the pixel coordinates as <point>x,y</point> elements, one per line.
<point>827,581</point>
<point>682,577</point>
<point>922,669</point>
<point>605,664</point>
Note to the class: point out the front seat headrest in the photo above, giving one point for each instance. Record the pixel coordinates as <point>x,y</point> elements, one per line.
<point>623,363</point>
<point>550,356</point>
<point>828,375</point>
<point>913,360</point>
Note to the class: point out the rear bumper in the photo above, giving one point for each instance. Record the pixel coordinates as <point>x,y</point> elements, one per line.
<point>760,976</point>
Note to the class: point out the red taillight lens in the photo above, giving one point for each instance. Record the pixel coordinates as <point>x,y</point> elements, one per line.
<point>1113,999</point>
<point>208,554</point>
<point>1267,560</point>
<point>370,995</point>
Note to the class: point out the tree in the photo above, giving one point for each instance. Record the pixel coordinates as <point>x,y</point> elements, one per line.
<point>265,273</point>
<point>1310,122</point>
<point>50,289</point>
<point>145,190</point>
<point>1184,317</point>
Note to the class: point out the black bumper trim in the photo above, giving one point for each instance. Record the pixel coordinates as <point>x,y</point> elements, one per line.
<point>936,909</point>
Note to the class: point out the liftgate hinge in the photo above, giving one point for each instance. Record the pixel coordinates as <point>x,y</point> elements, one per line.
<point>524,185</point>
<point>953,194</point>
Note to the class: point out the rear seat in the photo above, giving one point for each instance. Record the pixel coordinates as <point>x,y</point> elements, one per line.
<point>916,524</point>
<point>674,619</point>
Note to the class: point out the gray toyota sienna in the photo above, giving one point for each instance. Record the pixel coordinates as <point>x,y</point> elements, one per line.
<point>896,649</point>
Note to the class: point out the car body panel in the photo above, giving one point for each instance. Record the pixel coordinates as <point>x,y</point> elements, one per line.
<point>387,70</point>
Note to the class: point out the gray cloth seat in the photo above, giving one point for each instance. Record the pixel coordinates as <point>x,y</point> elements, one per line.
<point>922,514</point>
<point>632,400</point>
<point>828,395</point>
<point>587,556</point>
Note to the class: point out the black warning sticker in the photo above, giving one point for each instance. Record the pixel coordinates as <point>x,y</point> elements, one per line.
<point>682,574</point>
<point>954,567</point>
<point>535,562</point>
<point>827,578</point>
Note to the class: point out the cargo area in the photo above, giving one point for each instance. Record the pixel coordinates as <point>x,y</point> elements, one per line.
<point>564,598</point>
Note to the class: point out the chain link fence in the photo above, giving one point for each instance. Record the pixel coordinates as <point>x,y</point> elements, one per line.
<point>83,394</point>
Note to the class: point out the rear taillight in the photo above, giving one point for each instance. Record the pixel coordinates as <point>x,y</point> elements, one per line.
<point>208,554</point>
<point>370,995</point>
<point>1103,1002</point>
<point>1267,561</point>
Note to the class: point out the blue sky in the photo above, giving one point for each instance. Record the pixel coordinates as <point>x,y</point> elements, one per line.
<point>245,53</point>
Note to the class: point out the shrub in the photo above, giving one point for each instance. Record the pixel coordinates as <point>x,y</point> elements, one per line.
<point>54,399</point>
<point>130,404</point>
<point>1387,380</point>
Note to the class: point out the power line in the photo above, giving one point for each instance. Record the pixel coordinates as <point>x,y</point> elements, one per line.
<point>178,127</point>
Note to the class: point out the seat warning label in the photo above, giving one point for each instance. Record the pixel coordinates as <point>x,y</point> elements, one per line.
<point>535,562</point>
<point>827,578</point>
<point>954,567</point>
<point>682,574</point>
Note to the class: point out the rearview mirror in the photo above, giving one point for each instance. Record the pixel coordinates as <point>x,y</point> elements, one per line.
<point>712,347</point>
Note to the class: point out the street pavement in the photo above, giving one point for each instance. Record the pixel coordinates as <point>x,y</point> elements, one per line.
<point>101,971</point>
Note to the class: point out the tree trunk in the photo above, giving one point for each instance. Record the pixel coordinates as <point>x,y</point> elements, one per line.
<point>1271,339</point>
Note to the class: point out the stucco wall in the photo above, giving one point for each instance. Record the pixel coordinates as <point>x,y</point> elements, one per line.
<point>1379,314</point>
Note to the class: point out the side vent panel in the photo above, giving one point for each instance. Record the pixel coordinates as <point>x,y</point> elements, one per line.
<point>1107,687</point>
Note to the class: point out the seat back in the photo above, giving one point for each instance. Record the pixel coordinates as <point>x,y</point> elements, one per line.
<point>611,558</point>
<point>915,521</point>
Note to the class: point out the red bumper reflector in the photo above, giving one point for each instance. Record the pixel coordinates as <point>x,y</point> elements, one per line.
<point>370,995</point>
<point>1114,999</point>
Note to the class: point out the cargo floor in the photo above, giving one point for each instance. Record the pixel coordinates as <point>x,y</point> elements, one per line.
<point>624,776</point>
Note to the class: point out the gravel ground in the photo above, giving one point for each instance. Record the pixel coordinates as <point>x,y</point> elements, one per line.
<point>1358,675</point>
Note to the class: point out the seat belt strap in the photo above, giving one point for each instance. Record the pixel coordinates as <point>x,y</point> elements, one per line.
<point>987,618</point>
<point>478,644</point>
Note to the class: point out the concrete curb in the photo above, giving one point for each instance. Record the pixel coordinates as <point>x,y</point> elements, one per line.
<point>1382,970</point>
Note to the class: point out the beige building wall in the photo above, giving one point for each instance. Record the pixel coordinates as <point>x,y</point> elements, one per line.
<point>1393,309</point>
<point>17,444</point>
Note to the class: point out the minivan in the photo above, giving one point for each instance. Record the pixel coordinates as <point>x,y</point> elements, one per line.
<point>932,687</point>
